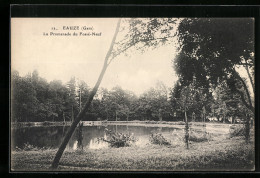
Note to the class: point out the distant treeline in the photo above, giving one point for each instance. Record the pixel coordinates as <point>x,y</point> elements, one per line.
<point>33,99</point>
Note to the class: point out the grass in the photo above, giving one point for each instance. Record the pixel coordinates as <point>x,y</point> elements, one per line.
<point>237,130</point>
<point>224,154</point>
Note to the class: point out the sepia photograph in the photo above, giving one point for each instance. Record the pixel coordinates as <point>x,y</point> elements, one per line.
<point>132,94</point>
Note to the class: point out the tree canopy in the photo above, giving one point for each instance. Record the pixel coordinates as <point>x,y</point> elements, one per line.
<point>211,49</point>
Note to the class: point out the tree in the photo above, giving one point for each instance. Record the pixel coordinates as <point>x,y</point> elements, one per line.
<point>201,98</point>
<point>212,49</point>
<point>186,101</point>
<point>147,37</point>
<point>24,100</point>
<point>116,103</point>
<point>226,103</point>
<point>104,111</point>
<point>82,93</point>
<point>215,50</point>
<point>157,101</point>
<point>87,105</point>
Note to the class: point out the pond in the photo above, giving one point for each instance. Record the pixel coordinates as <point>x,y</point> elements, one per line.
<point>52,136</point>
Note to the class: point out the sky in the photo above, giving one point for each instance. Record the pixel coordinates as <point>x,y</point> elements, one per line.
<point>62,57</point>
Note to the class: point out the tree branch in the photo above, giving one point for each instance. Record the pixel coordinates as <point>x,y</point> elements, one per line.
<point>142,40</point>
<point>246,64</point>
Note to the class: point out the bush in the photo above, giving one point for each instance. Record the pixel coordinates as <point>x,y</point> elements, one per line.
<point>158,139</point>
<point>117,139</point>
<point>198,137</point>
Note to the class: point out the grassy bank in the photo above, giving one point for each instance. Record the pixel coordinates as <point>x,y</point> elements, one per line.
<point>226,154</point>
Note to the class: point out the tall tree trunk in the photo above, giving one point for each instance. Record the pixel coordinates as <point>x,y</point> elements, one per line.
<point>67,137</point>
<point>160,115</point>
<point>63,117</point>
<point>72,114</point>
<point>79,100</point>
<point>186,129</point>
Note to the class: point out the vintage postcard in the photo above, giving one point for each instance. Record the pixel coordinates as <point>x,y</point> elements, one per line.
<point>132,94</point>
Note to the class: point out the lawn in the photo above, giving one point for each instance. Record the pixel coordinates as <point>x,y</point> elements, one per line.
<point>225,154</point>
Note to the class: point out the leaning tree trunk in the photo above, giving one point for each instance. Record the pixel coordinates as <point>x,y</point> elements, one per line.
<point>67,137</point>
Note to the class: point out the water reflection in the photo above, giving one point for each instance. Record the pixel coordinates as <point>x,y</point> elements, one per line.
<point>52,137</point>
<point>80,136</point>
<point>75,145</point>
<point>97,144</point>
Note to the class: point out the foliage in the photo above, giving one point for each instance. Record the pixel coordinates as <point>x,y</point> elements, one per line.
<point>157,138</point>
<point>204,51</point>
<point>140,34</point>
<point>116,139</point>
<point>211,50</point>
<point>191,98</point>
<point>34,99</point>
<point>226,103</point>
<point>154,104</point>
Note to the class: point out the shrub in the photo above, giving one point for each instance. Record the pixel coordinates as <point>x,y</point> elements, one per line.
<point>158,139</point>
<point>116,139</point>
<point>195,138</point>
